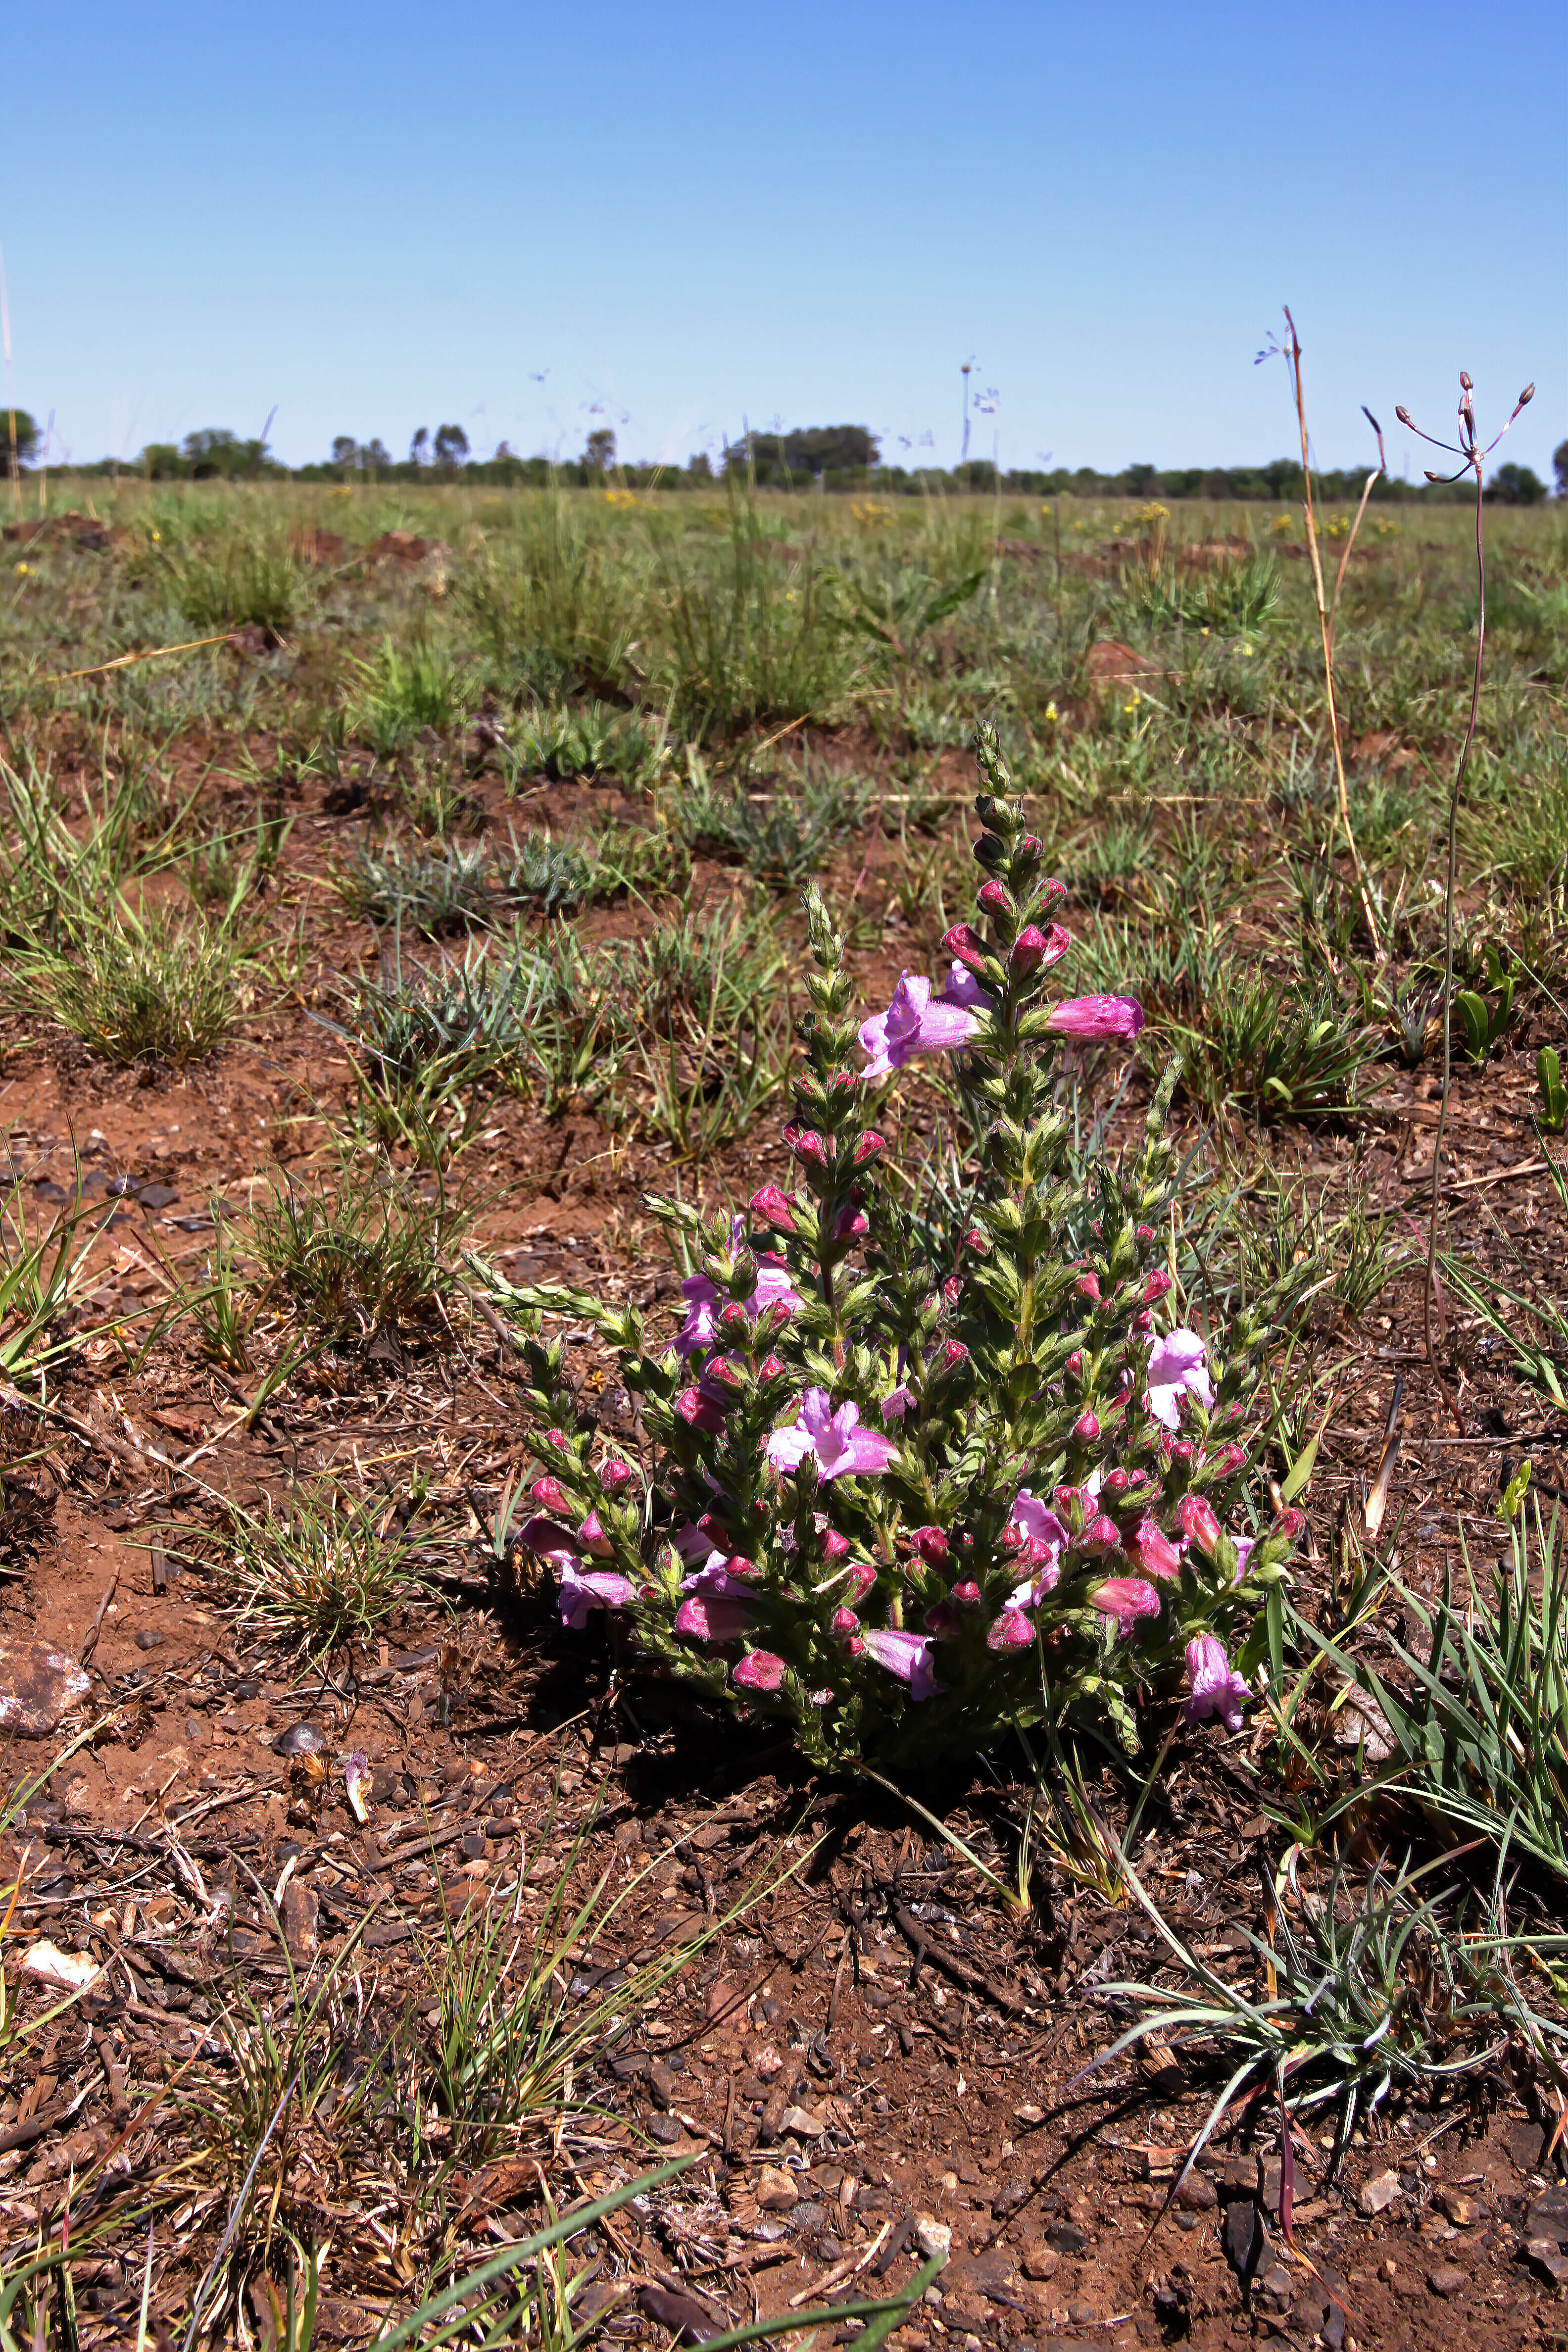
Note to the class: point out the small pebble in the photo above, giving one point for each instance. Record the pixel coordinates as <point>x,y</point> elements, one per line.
<point>300,1739</point>
<point>149,1638</point>
<point>665,2129</point>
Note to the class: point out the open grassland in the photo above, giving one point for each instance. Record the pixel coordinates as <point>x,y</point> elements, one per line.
<point>373,955</point>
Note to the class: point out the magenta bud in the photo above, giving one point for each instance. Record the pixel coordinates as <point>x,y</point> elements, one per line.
<point>1073,1367</point>
<point>700,1412</point>
<point>1086,1428</point>
<point>759,1670</point>
<point>1229,1459</point>
<point>953,1353</point>
<point>770,1369</point>
<point>1115,1481</point>
<point>1011,1630</point>
<point>1144,1322</point>
<point>1100,1533</point>
<point>737,1565</point>
<point>1030,950</point>
<point>614,1478</point>
<point>961,942</point>
<point>953,1290</point>
<point>1290,1524</point>
<point>967,1594</point>
<point>1087,1286</point>
<point>593,1537</point>
<point>932,1545</point>
<point>862,1577</point>
<point>1158,1282</point>
<point>844,1621</point>
<point>773,1208</point>
<point>557,1438</point>
<point>1197,1522</point>
<point>834,1547</point>
<point>735,1318</point>
<point>550,1495</point>
<point>996,897</point>
<point>976,1240</point>
<point>869,1145</point>
<point>806,1144</point>
<point>942,1620</point>
<point>1147,1236</point>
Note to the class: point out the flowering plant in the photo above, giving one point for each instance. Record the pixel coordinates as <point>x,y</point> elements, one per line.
<point>927,1456</point>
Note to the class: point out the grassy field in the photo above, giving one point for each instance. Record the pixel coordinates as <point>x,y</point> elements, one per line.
<point>395,890</point>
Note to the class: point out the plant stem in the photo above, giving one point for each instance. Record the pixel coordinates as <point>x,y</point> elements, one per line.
<point>1448,953</point>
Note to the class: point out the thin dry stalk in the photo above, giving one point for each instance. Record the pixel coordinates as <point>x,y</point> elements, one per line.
<point>1326,624</point>
<point>1472,456</point>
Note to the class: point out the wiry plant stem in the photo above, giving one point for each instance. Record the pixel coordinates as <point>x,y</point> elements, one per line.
<point>1463,762</point>
<point>1326,630</point>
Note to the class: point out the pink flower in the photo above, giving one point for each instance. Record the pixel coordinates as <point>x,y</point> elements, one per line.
<point>908,1656</point>
<point>1126,1598</point>
<point>1034,949</point>
<point>916,1022</point>
<point>593,1537</point>
<point>773,1289</point>
<point>1096,1018</point>
<point>1011,1630</point>
<point>758,1670</point>
<point>773,1208</point>
<point>1176,1368</point>
<point>839,1444</point>
<point>1040,1537</point>
<point>713,1620</point>
<point>585,1589</point>
<point>1197,1522</point>
<point>902,1400</point>
<point>550,1495</point>
<point>548,1539</point>
<point>1214,1687</point>
<point>1244,1545</point>
<point>1153,1549</point>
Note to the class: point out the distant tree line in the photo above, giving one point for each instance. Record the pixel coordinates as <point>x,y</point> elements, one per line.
<point>830,457</point>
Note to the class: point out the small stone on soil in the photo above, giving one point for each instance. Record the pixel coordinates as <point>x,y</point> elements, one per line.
<point>1447,2279</point>
<point>1375,2195</point>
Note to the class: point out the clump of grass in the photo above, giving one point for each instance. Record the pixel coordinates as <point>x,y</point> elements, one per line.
<point>315,1570</point>
<point>1280,1049</point>
<point>433,891</point>
<point>784,837</point>
<point>1234,596</point>
<point>240,575</point>
<point>588,740</point>
<point>427,891</point>
<point>358,1257</point>
<point>404,689</point>
<point>155,988</point>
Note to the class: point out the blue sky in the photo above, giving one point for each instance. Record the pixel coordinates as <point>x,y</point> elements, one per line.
<point>533,220</point>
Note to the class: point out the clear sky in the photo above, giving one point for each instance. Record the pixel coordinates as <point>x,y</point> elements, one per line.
<point>531,220</point>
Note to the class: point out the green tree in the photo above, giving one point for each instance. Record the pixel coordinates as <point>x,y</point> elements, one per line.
<point>1559,467</point>
<point>452,446</point>
<point>599,454</point>
<point>1516,486</point>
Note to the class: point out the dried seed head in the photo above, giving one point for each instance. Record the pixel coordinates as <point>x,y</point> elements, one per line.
<point>1403,416</point>
<point>1464,383</point>
<point>1527,395</point>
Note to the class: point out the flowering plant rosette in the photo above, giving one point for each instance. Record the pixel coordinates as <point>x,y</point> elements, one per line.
<point>929,1454</point>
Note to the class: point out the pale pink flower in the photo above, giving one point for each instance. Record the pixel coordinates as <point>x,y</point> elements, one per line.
<point>908,1656</point>
<point>1177,1368</point>
<point>836,1439</point>
<point>1097,1018</point>
<point>1195,1516</point>
<point>900,1402</point>
<point>1126,1598</point>
<point>1153,1549</point>
<point>916,1022</point>
<point>712,1620</point>
<point>703,1303</point>
<point>1214,1686</point>
<point>585,1589</point>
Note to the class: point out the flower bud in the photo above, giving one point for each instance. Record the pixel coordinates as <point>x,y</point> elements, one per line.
<point>1182,1450</point>
<point>594,1538</point>
<point>1087,1286</point>
<point>1144,1323</point>
<point>862,1577</point>
<point>1157,1285</point>
<point>844,1621</point>
<point>868,1146</point>
<point>953,1353</point>
<point>849,1222</point>
<point>773,1208</point>
<point>1146,1237</point>
<point>615,1476</point>
<point>806,1144</point>
<point>1086,1428</point>
<point>932,1545</point>
<point>770,1369</point>
<point>1115,1481</point>
<point>700,1412</point>
<point>1011,1630</point>
<point>996,897</point>
<point>961,942</point>
<point>1030,950</point>
<point>1073,1367</point>
<point>557,1438</point>
<point>1100,1534</point>
<point>550,1495</point>
<point>734,1317</point>
<point>835,1547</point>
<point>941,1619</point>
<point>739,1565</point>
<point>953,1290</point>
<point>1229,1459</point>
<point>967,1594</point>
<point>1288,1524</point>
<point>759,1670</point>
<point>1195,1517</point>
